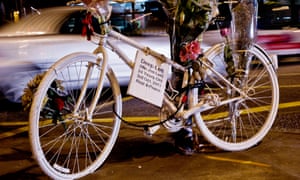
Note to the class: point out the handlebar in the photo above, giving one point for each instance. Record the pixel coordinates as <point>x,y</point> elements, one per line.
<point>99,8</point>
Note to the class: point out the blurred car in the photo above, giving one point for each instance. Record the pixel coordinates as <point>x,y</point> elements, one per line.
<point>34,43</point>
<point>37,41</point>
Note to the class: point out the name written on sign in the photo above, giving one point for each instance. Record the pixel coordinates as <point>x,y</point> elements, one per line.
<point>150,75</point>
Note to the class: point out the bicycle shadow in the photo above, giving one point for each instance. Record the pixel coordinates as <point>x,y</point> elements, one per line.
<point>135,147</point>
<point>127,149</point>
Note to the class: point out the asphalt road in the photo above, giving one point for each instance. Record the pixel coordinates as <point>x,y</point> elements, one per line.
<point>136,156</point>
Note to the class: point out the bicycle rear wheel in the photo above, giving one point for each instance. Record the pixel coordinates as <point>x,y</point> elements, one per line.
<point>67,144</point>
<point>244,122</point>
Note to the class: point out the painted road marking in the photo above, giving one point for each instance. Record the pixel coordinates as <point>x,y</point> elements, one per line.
<point>238,161</point>
<point>290,86</point>
<point>289,74</point>
<point>13,132</point>
<point>130,119</point>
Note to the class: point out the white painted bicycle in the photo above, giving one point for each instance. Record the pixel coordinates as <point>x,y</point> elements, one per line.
<point>76,112</point>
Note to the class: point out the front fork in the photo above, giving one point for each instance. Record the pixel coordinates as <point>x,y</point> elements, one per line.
<point>101,62</point>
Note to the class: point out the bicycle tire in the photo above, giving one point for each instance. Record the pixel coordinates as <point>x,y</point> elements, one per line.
<point>65,144</point>
<point>243,123</point>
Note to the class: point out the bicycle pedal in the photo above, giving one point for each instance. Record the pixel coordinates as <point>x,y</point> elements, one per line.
<point>149,131</point>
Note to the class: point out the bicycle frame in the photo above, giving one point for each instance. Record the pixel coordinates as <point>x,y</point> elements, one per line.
<point>184,114</point>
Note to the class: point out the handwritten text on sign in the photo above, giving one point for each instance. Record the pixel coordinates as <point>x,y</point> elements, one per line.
<point>148,79</point>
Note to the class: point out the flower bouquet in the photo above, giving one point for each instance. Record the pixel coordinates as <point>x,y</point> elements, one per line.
<point>192,17</point>
<point>55,101</point>
<point>29,91</point>
<point>243,28</point>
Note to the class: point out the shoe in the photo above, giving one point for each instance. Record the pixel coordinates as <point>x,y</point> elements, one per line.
<point>184,141</point>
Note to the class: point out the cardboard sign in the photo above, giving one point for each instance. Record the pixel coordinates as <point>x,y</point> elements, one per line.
<point>148,79</point>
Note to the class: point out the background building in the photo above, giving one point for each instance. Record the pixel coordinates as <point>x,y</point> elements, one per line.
<point>11,10</point>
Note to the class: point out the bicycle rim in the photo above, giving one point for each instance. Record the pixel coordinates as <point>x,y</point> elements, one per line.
<point>68,144</point>
<point>244,122</point>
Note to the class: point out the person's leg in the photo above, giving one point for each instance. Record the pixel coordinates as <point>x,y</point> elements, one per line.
<point>185,26</point>
<point>184,141</point>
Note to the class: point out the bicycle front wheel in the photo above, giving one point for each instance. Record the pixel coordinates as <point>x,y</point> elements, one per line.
<point>68,143</point>
<point>244,120</point>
